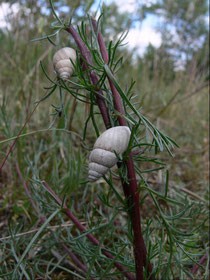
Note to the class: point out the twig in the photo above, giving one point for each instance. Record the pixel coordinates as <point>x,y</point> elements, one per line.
<point>19,134</point>
<point>37,83</point>
<point>75,259</point>
<point>73,109</point>
<point>67,262</point>
<point>173,101</point>
<point>130,189</point>
<point>196,267</point>
<point>87,57</point>
<point>28,192</point>
<point>168,103</point>
<point>42,219</point>
<point>192,93</point>
<point>13,144</point>
<point>49,227</point>
<point>191,193</point>
<point>83,229</point>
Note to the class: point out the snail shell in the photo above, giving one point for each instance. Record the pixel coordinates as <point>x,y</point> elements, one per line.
<point>62,63</point>
<point>102,156</point>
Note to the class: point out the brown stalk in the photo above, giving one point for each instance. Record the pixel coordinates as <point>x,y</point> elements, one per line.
<point>73,110</point>
<point>15,141</point>
<point>42,219</point>
<point>201,262</point>
<point>83,229</point>
<point>87,57</point>
<point>130,189</point>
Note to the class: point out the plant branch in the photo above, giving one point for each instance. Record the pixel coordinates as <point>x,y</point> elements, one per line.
<point>73,109</point>
<point>83,229</point>
<point>130,189</point>
<point>13,144</point>
<point>196,267</point>
<point>43,220</point>
<point>87,57</point>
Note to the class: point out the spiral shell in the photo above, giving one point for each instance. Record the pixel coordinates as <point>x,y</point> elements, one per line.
<point>102,156</point>
<point>62,63</point>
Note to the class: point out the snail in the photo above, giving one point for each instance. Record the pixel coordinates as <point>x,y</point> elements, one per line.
<point>103,157</point>
<point>62,63</point>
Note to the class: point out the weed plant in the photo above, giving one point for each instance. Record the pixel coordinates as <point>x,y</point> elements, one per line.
<point>44,181</point>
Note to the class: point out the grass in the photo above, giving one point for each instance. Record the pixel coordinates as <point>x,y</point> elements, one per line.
<point>59,157</point>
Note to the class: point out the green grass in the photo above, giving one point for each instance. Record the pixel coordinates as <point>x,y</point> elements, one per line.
<point>175,227</point>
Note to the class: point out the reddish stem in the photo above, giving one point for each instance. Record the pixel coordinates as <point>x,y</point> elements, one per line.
<point>86,55</point>
<point>76,260</point>
<point>196,267</point>
<point>42,219</point>
<point>14,142</point>
<point>130,189</point>
<point>73,109</point>
<point>90,236</point>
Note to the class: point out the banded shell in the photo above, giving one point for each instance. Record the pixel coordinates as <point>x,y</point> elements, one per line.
<point>102,156</point>
<point>62,63</point>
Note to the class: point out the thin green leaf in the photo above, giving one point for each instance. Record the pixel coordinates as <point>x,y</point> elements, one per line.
<point>54,13</point>
<point>33,240</point>
<point>45,37</point>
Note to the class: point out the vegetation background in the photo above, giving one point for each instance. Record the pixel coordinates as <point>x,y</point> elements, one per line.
<point>172,91</point>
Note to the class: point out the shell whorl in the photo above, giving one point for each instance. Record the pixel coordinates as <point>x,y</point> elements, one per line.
<point>103,155</point>
<point>62,63</point>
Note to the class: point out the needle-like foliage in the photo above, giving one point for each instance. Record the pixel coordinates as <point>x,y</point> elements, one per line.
<point>100,232</point>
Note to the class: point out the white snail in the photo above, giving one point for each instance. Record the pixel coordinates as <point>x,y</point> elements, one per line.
<point>62,63</point>
<point>102,157</point>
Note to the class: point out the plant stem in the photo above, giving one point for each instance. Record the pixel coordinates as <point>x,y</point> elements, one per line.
<point>76,260</point>
<point>13,144</point>
<point>86,55</point>
<point>73,109</point>
<point>83,229</point>
<point>42,219</point>
<point>130,189</point>
<point>196,267</point>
